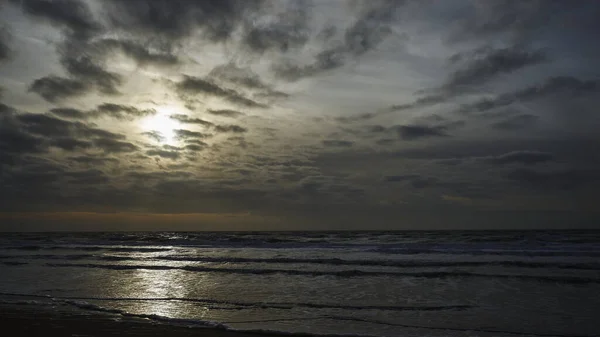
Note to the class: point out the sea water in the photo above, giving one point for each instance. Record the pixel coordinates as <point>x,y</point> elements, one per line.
<point>435,283</point>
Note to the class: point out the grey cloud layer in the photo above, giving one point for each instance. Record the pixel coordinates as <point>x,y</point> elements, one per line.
<point>298,108</point>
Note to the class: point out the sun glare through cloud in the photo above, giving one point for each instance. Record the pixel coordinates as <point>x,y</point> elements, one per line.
<point>163,125</point>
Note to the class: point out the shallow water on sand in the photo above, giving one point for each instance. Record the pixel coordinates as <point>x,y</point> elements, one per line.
<point>367,283</point>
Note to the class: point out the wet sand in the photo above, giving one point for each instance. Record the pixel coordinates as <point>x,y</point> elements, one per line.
<point>25,320</point>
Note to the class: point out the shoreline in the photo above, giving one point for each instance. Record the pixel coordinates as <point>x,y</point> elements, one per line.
<point>27,320</point>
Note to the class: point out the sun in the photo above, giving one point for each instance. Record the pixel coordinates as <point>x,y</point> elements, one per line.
<point>163,124</point>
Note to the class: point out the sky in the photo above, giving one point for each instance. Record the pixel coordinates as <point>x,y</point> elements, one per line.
<point>299,115</point>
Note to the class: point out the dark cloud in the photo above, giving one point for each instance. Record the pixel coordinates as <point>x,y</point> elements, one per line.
<point>185,134</point>
<point>164,154</point>
<point>15,142</point>
<point>518,20</point>
<point>114,146</point>
<point>324,61</point>
<point>425,101</point>
<point>521,157</point>
<point>371,27</point>
<point>485,64</point>
<point>184,119</point>
<point>420,102</point>
<point>91,176</point>
<point>225,112</point>
<point>414,180</point>
<point>35,133</point>
<point>6,110</point>
<point>376,129</point>
<point>230,128</point>
<point>242,76</point>
<point>412,132</point>
<point>5,51</point>
<point>77,55</point>
<point>516,122</point>
<point>49,126</point>
<point>400,178</point>
<point>73,15</point>
<point>142,54</point>
<point>178,19</point>
<point>93,160</point>
<point>558,179</point>
<point>193,85</point>
<point>69,113</point>
<point>100,133</point>
<point>195,142</point>
<point>245,78</point>
<point>84,69</point>
<point>564,85</point>
<point>337,143</point>
<point>119,111</point>
<point>52,127</point>
<point>287,30</point>
<point>70,144</point>
<point>194,147</point>
<point>54,88</point>
<point>157,136</point>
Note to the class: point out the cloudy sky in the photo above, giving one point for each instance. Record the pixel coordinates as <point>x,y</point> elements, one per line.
<point>192,115</point>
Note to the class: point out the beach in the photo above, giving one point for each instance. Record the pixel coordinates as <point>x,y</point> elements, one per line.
<point>27,320</point>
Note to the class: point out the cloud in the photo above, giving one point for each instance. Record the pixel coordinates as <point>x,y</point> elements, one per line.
<point>157,136</point>
<point>521,157</point>
<point>415,180</point>
<point>164,154</point>
<point>15,142</point>
<point>84,69</point>
<point>93,160</point>
<point>516,122</point>
<point>285,31</point>
<point>114,146</point>
<point>193,85</point>
<point>246,78</point>
<point>425,101</point>
<point>485,64</point>
<point>225,113</point>
<point>54,88</point>
<point>242,76</point>
<point>184,134</point>
<point>49,126</point>
<point>70,144</point>
<point>35,133</point>
<point>559,179</point>
<point>413,132</point>
<point>194,147</point>
<point>230,128</point>
<point>553,85</point>
<point>119,111</point>
<point>140,53</point>
<point>400,178</point>
<point>369,29</point>
<point>178,19</point>
<point>517,20</point>
<point>6,110</point>
<point>184,119</point>
<point>196,142</point>
<point>337,143</point>
<point>69,14</point>
<point>5,51</point>
<point>85,177</point>
<point>69,113</point>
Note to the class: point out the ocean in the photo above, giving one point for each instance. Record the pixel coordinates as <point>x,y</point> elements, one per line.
<point>413,283</point>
